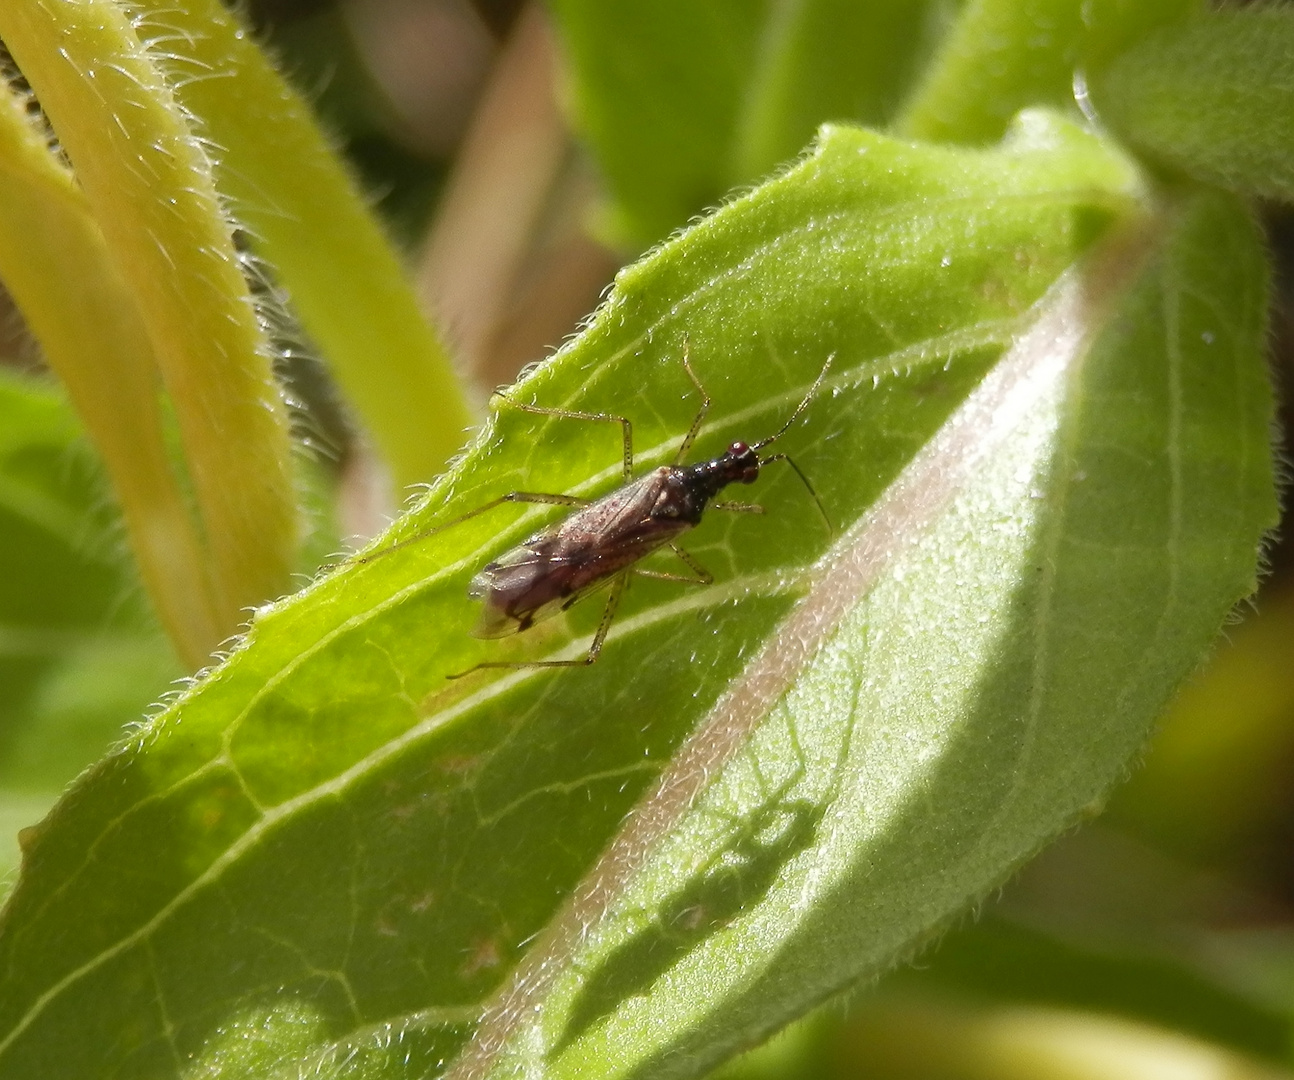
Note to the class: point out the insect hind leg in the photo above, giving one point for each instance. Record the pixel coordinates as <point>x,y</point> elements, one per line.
<point>545,497</point>
<point>591,657</point>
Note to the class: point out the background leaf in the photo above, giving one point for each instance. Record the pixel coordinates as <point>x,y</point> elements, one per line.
<point>60,273</point>
<point>1001,56</point>
<point>827,60</point>
<point>1004,959</point>
<point>1212,97</point>
<point>682,101</point>
<point>148,183</point>
<point>910,1039</point>
<point>311,224</point>
<point>1213,789</point>
<point>79,654</point>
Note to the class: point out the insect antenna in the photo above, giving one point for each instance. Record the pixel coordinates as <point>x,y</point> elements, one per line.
<point>804,404</point>
<point>805,480</point>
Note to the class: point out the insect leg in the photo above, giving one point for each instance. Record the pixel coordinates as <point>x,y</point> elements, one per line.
<point>738,507</point>
<point>608,613</point>
<point>692,432</point>
<point>703,576</point>
<point>626,427</point>
<point>510,497</point>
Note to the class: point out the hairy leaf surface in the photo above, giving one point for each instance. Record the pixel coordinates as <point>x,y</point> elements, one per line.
<point>1213,97</point>
<point>969,671</point>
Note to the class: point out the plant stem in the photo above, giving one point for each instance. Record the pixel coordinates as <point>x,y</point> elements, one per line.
<point>309,222</point>
<point>148,183</point>
<point>54,261</point>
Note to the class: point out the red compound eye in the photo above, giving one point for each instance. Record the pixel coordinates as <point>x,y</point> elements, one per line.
<point>737,449</point>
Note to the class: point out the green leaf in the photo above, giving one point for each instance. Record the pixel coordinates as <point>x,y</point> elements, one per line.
<point>904,1038</point>
<point>1003,966</point>
<point>1001,56</point>
<point>829,60</point>
<point>921,722</point>
<point>86,688</point>
<point>1213,791</point>
<point>79,655</point>
<point>656,88</point>
<point>1007,961</point>
<point>1213,97</point>
<point>682,101</point>
<point>326,857</point>
<point>58,580</point>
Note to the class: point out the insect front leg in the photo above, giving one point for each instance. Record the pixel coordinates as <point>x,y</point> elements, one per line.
<point>595,648</point>
<point>692,432</point>
<point>822,510</point>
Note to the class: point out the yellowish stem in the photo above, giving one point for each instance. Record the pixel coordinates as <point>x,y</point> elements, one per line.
<point>55,264</point>
<point>148,184</point>
<point>308,221</point>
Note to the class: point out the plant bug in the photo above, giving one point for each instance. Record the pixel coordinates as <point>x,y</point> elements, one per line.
<point>600,542</point>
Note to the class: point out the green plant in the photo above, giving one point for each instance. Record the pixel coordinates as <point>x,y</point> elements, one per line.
<point>1045,442</point>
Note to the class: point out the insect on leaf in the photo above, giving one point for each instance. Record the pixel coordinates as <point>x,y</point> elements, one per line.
<point>1043,441</point>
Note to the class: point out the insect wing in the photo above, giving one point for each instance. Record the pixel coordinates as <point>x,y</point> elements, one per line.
<point>619,525</point>
<point>522,587</point>
<point>555,568</point>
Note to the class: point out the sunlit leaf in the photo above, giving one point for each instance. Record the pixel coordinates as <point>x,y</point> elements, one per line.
<point>969,672</point>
